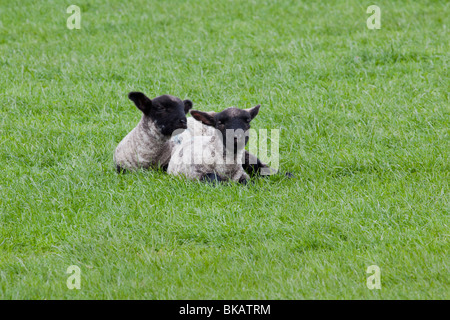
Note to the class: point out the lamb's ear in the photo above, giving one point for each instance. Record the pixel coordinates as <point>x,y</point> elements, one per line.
<point>187,105</point>
<point>206,118</point>
<point>141,101</point>
<point>253,111</point>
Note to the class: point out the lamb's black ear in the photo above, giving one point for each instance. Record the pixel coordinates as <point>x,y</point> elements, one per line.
<point>141,101</point>
<point>187,105</point>
<point>253,111</point>
<point>206,118</point>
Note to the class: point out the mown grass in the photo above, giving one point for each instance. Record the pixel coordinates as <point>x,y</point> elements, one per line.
<point>364,119</point>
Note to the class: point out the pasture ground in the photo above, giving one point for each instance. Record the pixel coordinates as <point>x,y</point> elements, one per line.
<point>364,125</point>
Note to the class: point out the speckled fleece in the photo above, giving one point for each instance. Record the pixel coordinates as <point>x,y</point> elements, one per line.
<point>144,147</point>
<point>199,150</point>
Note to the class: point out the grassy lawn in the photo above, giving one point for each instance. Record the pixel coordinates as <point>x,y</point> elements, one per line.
<point>364,122</point>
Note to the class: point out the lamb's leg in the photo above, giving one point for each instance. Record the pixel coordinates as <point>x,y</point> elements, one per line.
<point>120,169</point>
<point>252,165</point>
<point>243,180</point>
<point>211,178</point>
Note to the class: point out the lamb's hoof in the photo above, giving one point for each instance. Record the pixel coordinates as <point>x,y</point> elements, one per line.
<point>211,178</point>
<point>120,170</point>
<point>289,175</point>
<point>243,181</point>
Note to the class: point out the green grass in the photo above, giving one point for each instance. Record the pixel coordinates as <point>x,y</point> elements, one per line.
<point>364,118</point>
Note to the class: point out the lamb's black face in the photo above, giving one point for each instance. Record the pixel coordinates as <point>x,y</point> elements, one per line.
<point>231,122</point>
<point>167,112</point>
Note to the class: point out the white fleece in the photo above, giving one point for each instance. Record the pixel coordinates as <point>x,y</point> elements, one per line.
<point>199,150</point>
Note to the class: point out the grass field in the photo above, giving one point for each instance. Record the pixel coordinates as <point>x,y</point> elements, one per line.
<point>364,125</point>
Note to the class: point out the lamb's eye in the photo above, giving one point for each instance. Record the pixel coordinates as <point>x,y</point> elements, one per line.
<point>248,120</point>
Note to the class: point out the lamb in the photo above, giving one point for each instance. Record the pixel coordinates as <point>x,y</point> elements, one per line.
<point>148,145</point>
<point>213,149</point>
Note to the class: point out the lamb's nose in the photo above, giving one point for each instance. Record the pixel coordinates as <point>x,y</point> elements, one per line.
<point>183,121</point>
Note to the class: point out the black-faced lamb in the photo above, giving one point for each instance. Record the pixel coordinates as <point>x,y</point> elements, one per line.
<point>148,145</point>
<point>214,146</point>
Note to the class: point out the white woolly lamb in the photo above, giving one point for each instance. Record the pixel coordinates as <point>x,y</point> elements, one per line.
<point>213,147</point>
